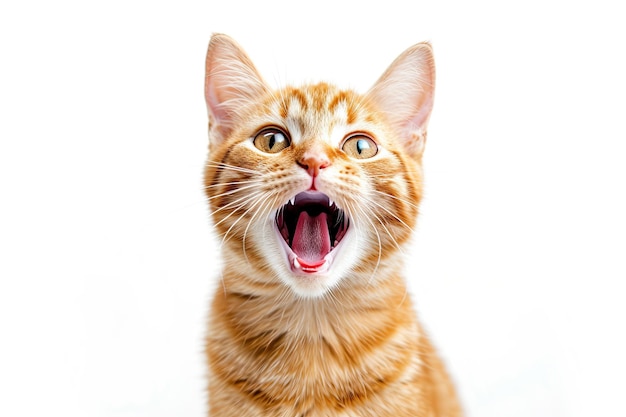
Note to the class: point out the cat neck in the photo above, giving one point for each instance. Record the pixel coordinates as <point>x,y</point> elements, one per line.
<point>257,301</point>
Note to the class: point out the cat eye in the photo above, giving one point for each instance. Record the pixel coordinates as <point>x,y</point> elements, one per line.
<point>271,140</point>
<point>360,147</point>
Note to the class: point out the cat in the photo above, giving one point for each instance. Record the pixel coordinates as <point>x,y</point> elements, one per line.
<point>314,193</point>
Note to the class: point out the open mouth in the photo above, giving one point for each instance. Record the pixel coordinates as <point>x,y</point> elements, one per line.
<point>311,226</point>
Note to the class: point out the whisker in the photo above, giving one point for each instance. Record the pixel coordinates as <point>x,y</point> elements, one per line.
<point>402,200</point>
<point>239,200</point>
<point>236,190</point>
<point>380,245</point>
<point>390,213</point>
<point>246,198</point>
<point>395,242</point>
<point>224,184</point>
<point>350,209</point>
<point>223,165</point>
<point>261,208</point>
<point>224,238</point>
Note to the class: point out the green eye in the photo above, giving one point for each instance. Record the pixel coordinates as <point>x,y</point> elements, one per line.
<point>271,140</point>
<point>360,147</point>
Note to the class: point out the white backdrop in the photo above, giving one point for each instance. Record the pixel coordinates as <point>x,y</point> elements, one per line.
<point>106,257</point>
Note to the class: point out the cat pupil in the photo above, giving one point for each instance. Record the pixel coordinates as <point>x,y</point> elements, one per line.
<point>275,138</point>
<point>272,140</point>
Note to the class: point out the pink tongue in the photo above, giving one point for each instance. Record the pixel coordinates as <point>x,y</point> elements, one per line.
<point>311,240</point>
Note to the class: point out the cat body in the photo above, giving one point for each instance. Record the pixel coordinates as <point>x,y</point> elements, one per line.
<point>314,192</point>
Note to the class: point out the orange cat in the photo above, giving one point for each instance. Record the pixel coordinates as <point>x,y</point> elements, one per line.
<point>314,192</point>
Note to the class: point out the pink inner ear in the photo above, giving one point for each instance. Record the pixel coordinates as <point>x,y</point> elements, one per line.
<point>419,121</point>
<point>213,104</point>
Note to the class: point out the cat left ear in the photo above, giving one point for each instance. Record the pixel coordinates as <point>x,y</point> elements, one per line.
<point>404,94</point>
<point>231,83</point>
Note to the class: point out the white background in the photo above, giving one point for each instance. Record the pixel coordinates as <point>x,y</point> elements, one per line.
<point>106,257</point>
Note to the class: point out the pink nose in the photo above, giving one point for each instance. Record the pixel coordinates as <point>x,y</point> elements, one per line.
<point>313,162</point>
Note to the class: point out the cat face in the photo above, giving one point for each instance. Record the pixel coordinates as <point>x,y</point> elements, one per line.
<point>315,186</point>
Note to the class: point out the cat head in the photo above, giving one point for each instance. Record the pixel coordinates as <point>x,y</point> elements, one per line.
<point>315,187</point>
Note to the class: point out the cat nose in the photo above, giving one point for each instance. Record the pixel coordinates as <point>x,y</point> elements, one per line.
<point>312,162</point>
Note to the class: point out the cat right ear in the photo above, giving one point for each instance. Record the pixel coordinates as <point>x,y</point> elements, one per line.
<point>231,83</point>
<point>404,94</point>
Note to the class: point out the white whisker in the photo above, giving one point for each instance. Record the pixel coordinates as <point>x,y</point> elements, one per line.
<point>223,165</point>
<point>239,201</point>
<point>352,214</point>
<point>243,182</point>
<point>237,208</point>
<point>377,217</point>
<point>390,213</point>
<point>380,245</point>
<point>402,200</point>
<point>236,190</point>
<point>264,202</point>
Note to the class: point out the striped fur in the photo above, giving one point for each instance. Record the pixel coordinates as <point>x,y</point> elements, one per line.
<point>344,341</point>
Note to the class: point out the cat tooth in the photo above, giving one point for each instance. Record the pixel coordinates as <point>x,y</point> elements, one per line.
<point>331,203</point>
<point>296,264</point>
<point>292,200</point>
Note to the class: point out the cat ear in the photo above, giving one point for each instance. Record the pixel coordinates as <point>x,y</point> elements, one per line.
<point>404,93</point>
<point>231,83</point>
